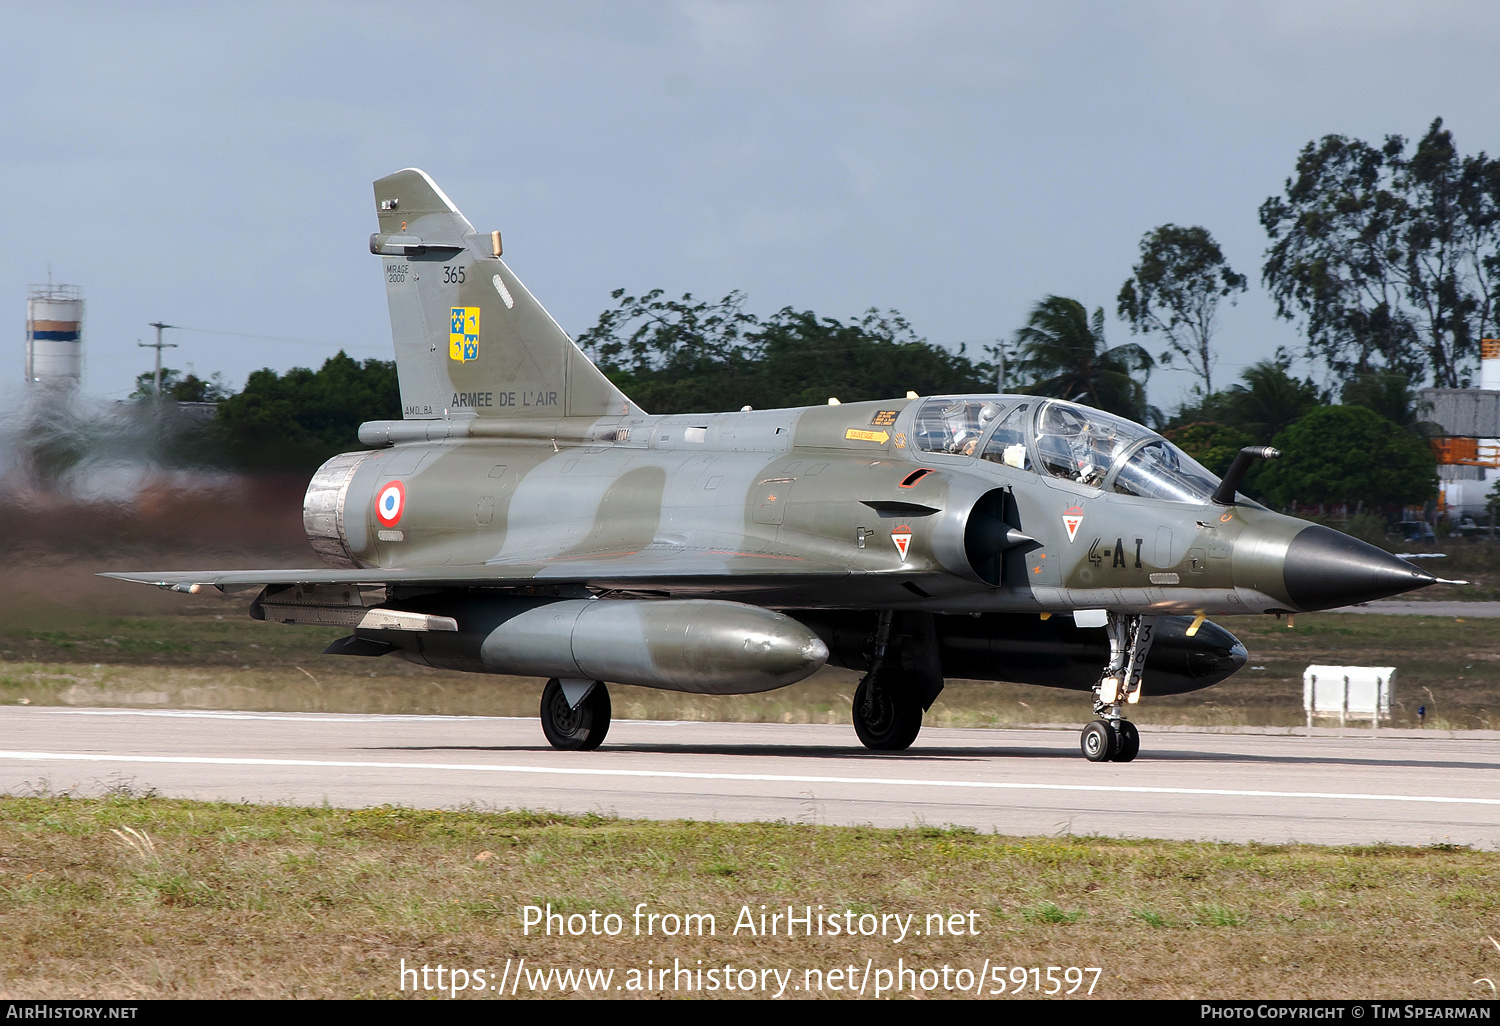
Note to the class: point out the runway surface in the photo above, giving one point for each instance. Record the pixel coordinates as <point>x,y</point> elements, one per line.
<point>1326,789</point>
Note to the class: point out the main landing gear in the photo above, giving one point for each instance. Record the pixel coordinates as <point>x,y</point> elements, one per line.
<point>1111,737</point>
<point>887,714</point>
<point>575,714</point>
<point>905,676</point>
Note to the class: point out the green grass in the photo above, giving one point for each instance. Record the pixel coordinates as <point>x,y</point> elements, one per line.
<point>131,896</point>
<point>1047,912</point>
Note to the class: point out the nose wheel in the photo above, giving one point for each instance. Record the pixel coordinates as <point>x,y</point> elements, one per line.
<point>1112,738</point>
<point>1110,741</point>
<point>575,727</point>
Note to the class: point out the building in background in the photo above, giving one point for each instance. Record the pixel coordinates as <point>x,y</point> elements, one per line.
<point>1468,445</point>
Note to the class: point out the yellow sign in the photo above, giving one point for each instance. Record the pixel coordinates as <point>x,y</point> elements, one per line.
<point>860,435</point>
<point>463,334</point>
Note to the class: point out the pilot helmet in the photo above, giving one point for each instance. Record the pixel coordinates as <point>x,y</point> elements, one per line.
<point>961,429</point>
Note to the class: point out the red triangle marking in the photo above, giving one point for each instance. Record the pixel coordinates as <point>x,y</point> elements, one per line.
<point>1072,523</point>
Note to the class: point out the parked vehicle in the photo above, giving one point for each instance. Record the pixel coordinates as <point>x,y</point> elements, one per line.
<point>1417,531</point>
<point>1468,527</point>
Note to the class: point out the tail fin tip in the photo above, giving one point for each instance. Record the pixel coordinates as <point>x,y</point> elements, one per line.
<point>470,339</point>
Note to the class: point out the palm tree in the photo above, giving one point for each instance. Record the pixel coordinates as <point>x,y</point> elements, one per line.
<point>1064,352</point>
<point>1270,400</point>
<point>1389,393</point>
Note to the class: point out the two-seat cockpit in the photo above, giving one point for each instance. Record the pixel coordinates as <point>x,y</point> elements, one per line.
<point>1063,440</point>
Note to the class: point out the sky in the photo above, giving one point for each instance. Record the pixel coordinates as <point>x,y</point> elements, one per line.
<point>209,164</point>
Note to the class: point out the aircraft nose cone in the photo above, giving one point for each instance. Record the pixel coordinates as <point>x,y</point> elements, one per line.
<point>1325,569</point>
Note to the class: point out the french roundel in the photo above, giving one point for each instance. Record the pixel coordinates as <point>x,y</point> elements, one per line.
<point>389,503</point>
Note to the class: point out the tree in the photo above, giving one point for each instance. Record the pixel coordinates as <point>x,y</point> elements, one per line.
<point>1346,455</point>
<point>1389,395</point>
<point>180,388</point>
<point>1175,289</point>
<point>687,355</point>
<point>1271,399</point>
<point>1492,502</point>
<point>1393,259</point>
<point>296,420</point>
<point>807,358</point>
<point>1268,400</point>
<point>1451,273</point>
<point>1063,350</point>
<point>677,356</point>
<point>1213,445</point>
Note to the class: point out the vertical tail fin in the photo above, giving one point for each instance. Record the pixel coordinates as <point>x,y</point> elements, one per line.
<point>470,339</point>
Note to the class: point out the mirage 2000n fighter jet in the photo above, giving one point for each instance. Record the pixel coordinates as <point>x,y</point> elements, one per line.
<point>525,517</point>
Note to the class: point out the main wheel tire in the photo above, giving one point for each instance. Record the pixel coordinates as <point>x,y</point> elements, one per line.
<point>894,718</point>
<point>1130,742</point>
<point>1098,742</point>
<point>580,729</point>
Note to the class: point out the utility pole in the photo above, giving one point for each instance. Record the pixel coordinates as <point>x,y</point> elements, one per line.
<point>158,345</point>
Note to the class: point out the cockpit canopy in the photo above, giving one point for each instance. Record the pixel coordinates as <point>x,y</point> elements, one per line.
<point>1064,440</point>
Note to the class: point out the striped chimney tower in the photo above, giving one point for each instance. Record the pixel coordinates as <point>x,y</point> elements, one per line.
<point>1489,364</point>
<point>54,335</point>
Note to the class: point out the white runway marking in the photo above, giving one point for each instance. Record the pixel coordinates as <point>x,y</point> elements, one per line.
<point>742,777</point>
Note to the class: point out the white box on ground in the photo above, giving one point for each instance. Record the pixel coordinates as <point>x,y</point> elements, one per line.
<point>1348,692</point>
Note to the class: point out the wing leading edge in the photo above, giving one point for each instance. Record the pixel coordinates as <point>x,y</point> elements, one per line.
<point>725,569</point>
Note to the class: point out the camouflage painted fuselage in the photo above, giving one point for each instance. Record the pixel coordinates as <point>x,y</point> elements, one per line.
<point>786,505</point>
<point>524,516</point>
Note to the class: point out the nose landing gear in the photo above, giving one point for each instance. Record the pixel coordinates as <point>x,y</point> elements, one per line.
<point>1111,737</point>
<point>1098,741</point>
<point>1110,741</point>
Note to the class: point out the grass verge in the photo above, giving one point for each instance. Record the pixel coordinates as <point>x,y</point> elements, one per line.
<point>126,896</point>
